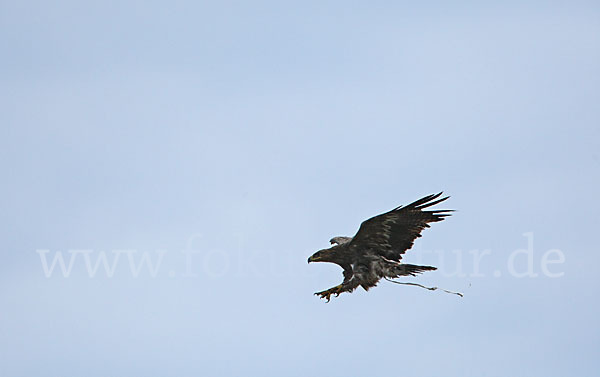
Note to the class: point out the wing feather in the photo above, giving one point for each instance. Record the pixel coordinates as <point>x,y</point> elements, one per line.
<point>392,233</point>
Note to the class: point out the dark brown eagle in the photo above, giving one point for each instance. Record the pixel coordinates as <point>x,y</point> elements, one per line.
<point>375,252</point>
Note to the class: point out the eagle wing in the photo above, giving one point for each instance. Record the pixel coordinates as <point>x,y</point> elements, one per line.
<point>392,233</point>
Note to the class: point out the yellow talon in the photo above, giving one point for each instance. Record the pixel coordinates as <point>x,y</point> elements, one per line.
<point>337,290</point>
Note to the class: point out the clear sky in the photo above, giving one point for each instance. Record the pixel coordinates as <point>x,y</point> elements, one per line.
<point>227,141</point>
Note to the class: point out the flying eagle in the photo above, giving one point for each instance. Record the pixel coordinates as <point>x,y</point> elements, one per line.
<point>375,252</point>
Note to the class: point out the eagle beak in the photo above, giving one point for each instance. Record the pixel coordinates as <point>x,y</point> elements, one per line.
<point>309,259</point>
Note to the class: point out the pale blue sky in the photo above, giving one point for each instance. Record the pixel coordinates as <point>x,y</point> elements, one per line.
<point>253,132</point>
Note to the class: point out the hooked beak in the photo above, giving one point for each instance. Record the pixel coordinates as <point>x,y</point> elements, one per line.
<point>309,259</point>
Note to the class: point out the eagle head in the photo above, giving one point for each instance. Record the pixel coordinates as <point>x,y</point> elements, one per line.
<point>325,255</point>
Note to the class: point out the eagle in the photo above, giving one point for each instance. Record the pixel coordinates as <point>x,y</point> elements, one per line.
<point>376,251</point>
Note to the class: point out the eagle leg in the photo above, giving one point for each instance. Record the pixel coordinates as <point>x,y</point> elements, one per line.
<point>331,291</point>
<point>347,286</point>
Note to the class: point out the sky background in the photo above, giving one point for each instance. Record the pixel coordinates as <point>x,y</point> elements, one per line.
<point>248,134</point>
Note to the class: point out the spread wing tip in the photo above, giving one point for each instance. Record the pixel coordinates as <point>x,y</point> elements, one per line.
<point>427,201</point>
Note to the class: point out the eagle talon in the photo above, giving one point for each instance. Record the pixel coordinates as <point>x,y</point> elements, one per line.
<point>324,294</point>
<point>331,291</point>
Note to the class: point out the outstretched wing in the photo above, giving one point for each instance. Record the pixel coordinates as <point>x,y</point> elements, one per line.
<point>392,233</point>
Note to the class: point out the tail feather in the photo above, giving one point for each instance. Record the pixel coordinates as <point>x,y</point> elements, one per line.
<point>411,269</point>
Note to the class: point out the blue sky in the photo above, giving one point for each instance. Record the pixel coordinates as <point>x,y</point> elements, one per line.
<point>247,134</point>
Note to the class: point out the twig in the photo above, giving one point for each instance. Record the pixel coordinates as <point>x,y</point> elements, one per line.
<point>422,286</point>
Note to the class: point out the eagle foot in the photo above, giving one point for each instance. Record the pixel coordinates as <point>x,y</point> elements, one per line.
<point>331,291</point>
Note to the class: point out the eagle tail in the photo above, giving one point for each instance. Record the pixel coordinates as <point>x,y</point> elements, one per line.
<point>411,269</point>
